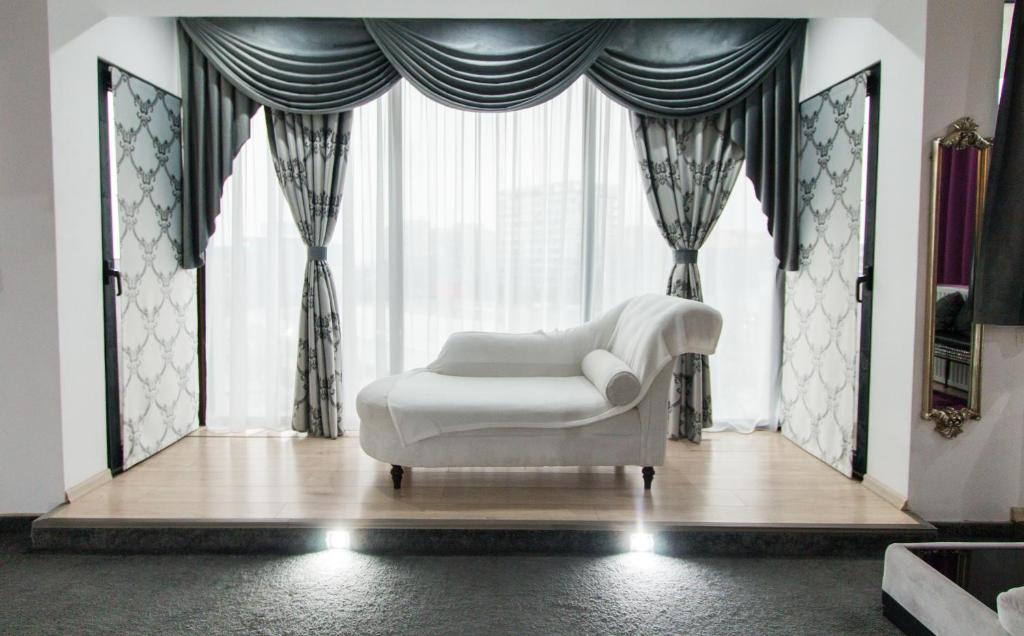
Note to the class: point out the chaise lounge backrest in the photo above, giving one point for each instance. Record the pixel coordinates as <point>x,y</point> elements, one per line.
<point>645,332</point>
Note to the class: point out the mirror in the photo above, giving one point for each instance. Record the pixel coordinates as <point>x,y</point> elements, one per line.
<point>952,373</point>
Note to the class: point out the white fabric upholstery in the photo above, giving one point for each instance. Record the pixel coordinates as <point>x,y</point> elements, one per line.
<point>425,404</point>
<point>937,602</point>
<point>519,399</point>
<point>650,330</point>
<point>1010,606</point>
<point>636,437</point>
<point>611,377</point>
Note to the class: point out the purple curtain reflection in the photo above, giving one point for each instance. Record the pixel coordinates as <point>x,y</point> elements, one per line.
<point>942,400</point>
<point>958,192</point>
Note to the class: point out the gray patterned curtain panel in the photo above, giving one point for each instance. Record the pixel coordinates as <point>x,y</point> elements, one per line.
<point>666,68</point>
<point>690,167</point>
<point>693,68</point>
<point>998,287</point>
<point>310,155</point>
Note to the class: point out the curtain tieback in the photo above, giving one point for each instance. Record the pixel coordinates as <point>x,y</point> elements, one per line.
<point>315,253</point>
<point>686,257</point>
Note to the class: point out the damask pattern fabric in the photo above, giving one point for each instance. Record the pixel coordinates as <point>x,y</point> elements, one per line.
<point>310,155</point>
<point>666,68</point>
<point>821,333</point>
<point>689,167</point>
<point>158,320</point>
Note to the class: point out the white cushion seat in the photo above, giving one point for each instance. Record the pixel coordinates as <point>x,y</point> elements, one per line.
<point>373,398</point>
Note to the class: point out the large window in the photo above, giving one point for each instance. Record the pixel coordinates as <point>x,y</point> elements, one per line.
<point>451,220</point>
<point>492,222</point>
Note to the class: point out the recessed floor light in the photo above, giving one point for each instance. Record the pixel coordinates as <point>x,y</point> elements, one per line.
<point>641,542</point>
<point>338,540</point>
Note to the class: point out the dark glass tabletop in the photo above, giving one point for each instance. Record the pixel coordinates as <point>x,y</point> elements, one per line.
<point>983,572</point>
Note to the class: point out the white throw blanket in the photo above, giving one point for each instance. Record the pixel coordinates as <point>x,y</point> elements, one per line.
<point>486,381</point>
<point>1011,610</point>
<point>425,404</point>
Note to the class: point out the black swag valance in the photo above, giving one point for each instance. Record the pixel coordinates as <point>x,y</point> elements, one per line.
<point>659,68</point>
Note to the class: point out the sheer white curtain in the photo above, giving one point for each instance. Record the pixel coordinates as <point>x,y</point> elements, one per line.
<point>455,220</point>
<point>254,268</point>
<point>492,219</point>
<point>366,252</point>
<point>741,279</point>
<point>630,257</point>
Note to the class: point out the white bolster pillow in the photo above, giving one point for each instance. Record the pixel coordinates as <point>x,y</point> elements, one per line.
<point>611,376</point>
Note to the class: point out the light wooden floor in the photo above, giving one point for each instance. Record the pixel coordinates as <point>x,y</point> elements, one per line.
<point>728,479</point>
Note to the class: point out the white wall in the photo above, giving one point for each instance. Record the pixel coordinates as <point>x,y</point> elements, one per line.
<point>496,8</point>
<point>50,235</point>
<point>146,47</point>
<point>31,476</point>
<point>977,476</point>
<point>836,49</point>
<point>938,63</point>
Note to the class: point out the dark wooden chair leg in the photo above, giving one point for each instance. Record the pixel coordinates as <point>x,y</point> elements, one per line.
<point>648,472</point>
<point>396,475</point>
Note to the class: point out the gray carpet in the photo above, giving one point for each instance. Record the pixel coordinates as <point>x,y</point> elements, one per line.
<point>350,593</point>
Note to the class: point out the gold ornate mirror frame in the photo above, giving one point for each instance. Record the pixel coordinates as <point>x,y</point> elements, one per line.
<point>950,420</point>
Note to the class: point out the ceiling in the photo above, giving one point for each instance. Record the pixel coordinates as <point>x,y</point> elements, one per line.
<point>493,8</point>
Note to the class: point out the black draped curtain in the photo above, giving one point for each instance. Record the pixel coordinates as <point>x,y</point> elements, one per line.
<point>215,124</point>
<point>683,69</point>
<point>998,284</point>
<point>491,65</point>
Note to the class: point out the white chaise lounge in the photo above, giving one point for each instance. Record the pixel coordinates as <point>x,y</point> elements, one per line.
<point>593,395</point>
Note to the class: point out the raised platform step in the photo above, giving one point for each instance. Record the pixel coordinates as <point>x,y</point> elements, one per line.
<point>692,540</point>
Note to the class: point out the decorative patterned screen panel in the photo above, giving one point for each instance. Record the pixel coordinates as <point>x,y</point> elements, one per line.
<point>158,321</point>
<point>821,333</point>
